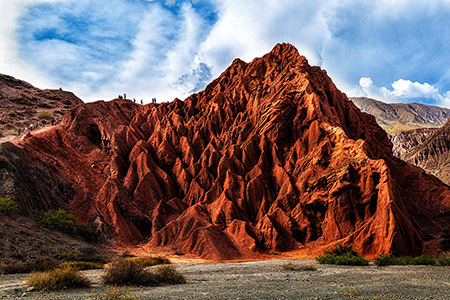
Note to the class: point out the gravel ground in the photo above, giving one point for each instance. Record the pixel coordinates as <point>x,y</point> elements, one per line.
<point>267,280</point>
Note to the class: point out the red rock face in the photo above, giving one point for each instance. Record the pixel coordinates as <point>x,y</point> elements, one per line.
<point>271,156</point>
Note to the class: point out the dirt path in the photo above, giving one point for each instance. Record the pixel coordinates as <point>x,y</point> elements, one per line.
<point>267,280</point>
<point>13,138</point>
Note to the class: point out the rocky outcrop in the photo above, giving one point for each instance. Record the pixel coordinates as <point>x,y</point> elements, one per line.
<point>405,141</point>
<point>269,157</point>
<point>432,153</point>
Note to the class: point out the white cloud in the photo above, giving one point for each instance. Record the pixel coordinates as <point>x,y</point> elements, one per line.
<point>10,62</point>
<point>249,29</point>
<point>403,91</point>
<point>163,50</point>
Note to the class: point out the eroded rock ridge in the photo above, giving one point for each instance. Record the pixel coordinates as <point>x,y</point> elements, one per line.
<point>271,156</point>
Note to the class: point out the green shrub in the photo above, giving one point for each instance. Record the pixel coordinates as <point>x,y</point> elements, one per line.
<point>424,260</point>
<point>8,206</point>
<point>132,272</point>
<point>293,267</point>
<point>444,260</point>
<point>58,279</point>
<point>45,115</point>
<point>382,260</point>
<point>82,265</point>
<point>62,221</point>
<point>386,260</point>
<point>149,261</point>
<point>342,255</point>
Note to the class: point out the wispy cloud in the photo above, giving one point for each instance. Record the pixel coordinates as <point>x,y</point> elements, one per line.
<point>168,48</point>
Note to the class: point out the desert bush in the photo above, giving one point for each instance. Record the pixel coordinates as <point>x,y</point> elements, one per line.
<point>386,260</point>
<point>444,260</point>
<point>8,206</point>
<point>342,255</point>
<point>149,261</point>
<point>293,267</point>
<point>45,115</point>
<point>116,293</point>
<point>82,265</point>
<point>58,279</point>
<point>62,221</point>
<point>169,274</point>
<point>128,272</point>
<point>131,272</point>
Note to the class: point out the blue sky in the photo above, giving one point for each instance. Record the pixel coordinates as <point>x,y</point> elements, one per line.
<point>396,51</point>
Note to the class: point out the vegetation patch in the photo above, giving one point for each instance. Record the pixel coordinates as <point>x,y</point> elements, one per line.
<point>293,267</point>
<point>349,292</point>
<point>444,260</point>
<point>45,115</point>
<point>386,260</point>
<point>130,272</point>
<point>82,265</point>
<point>8,206</point>
<point>58,279</point>
<point>62,221</point>
<point>169,275</point>
<point>342,255</point>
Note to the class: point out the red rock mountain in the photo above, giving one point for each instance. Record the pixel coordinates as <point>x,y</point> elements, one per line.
<point>269,157</point>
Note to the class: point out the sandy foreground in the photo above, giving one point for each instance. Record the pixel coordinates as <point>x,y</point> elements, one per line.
<point>267,280</point>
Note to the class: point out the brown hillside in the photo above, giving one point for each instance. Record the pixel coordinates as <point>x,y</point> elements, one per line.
<point>432,153</point>
<point>271,156</point>
<point>20,104</point>
<point>396,118</point>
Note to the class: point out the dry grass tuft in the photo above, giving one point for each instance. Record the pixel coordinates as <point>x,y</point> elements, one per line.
<point>58,279</point>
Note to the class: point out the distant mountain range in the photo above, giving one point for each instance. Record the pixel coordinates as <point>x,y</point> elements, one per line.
<point>417,132</point>
<point>395,118</point>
